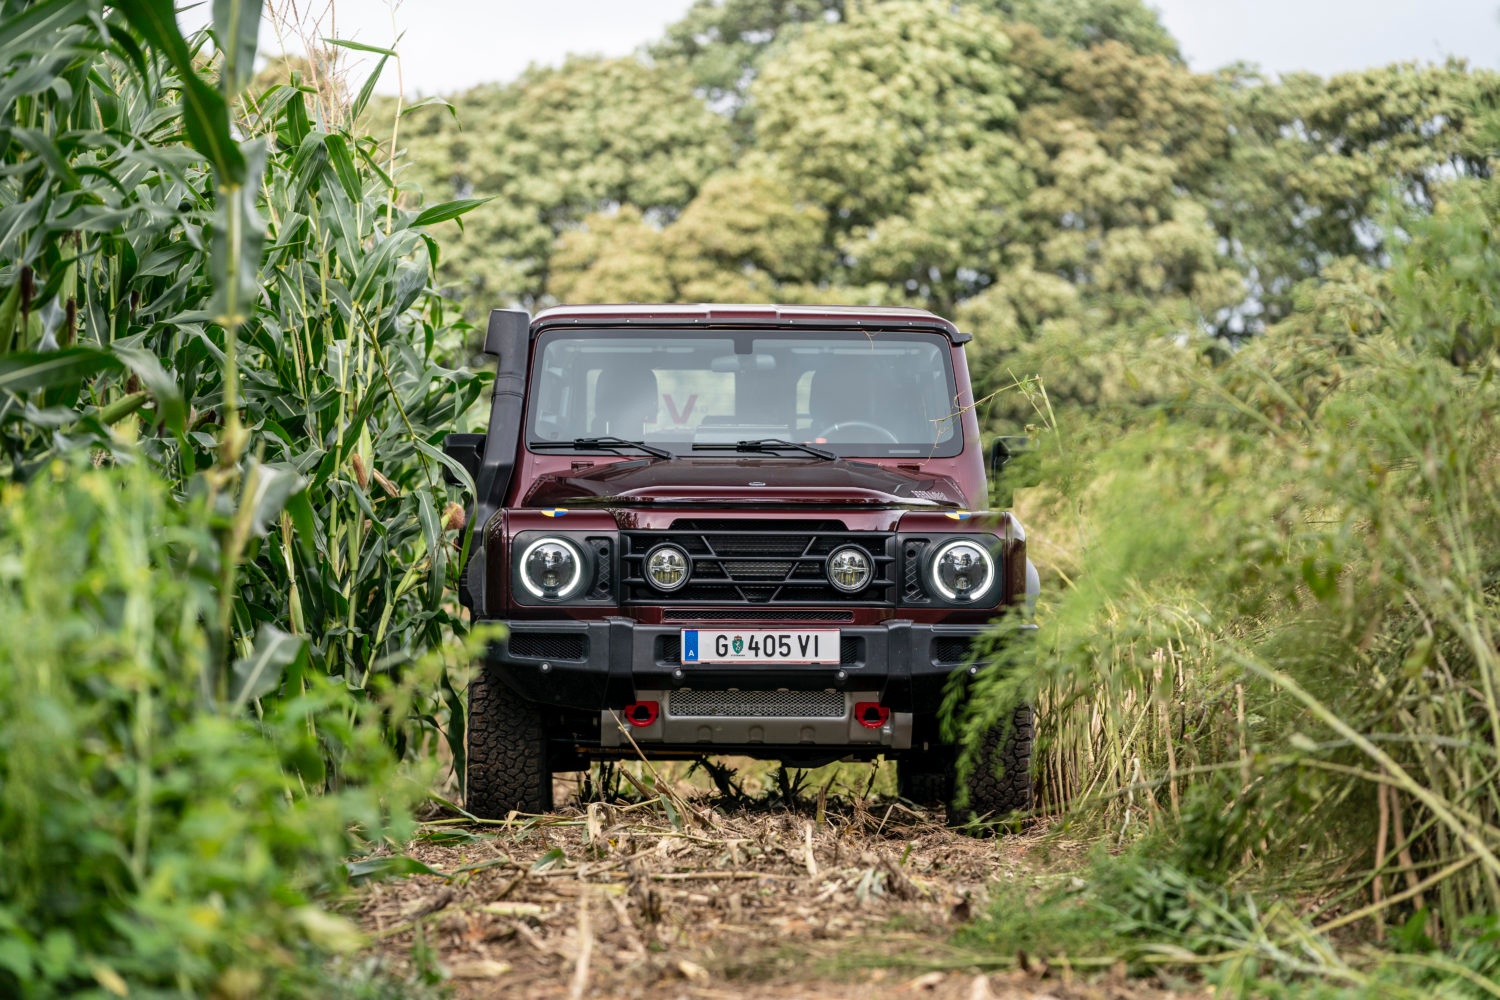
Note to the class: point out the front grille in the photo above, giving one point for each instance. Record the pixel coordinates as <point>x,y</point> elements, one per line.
<point>756,705</point>
<point>669,650</point>
<point>548,646</point>
<point>752,615</point>
<point>759,562</point>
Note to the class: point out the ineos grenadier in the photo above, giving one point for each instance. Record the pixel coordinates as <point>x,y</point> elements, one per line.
<point>735,530</point>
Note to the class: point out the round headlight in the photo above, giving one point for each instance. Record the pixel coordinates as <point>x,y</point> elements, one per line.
<point>667,567</point>
<point>962,570</point>
<point>552,569</point>
<point>849,568</point>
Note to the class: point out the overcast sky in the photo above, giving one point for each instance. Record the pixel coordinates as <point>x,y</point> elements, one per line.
<point>450,45</point>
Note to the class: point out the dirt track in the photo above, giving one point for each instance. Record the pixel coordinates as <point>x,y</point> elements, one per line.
<point>691,896</point>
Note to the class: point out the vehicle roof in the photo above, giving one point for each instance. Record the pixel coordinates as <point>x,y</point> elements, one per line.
<point>728,315</point>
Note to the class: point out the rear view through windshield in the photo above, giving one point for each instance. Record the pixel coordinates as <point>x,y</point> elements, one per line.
<point>848,392</point>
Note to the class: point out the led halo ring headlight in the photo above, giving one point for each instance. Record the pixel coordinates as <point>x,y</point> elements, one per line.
<point>551,568</point>
<point>849,568</point>
<point>961,570</point>
<point>667,568</point>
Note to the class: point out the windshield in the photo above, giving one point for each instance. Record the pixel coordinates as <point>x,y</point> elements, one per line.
<point>850,392</point>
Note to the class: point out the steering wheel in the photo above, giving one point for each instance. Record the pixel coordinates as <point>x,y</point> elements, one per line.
<point>832,429</point>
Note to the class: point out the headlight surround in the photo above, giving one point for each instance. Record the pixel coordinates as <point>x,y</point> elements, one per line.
<point>961,570</point>
<point>551,568</point>
<point>667,568</point>
<point>850,568</point>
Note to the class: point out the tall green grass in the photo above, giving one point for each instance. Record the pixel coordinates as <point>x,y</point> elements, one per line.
<point>1275,641</point>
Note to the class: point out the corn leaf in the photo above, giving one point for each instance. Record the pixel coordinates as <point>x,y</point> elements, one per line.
<point>447,210</point>
<point>260,673</point>
<point>28,371</point>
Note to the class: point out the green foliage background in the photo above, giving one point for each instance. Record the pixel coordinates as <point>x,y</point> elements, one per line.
<point>1262,313</point>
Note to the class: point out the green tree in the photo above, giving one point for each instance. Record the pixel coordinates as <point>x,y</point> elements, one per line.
<point>741,240</point>
<point>614,257</point>
<point>722,41</point>
<point>944,157</point>
<point>1120,148</point>
<point>1315,165</point>
<point>1085,23</point>
<point>559,144</point>
<point>725,42</point>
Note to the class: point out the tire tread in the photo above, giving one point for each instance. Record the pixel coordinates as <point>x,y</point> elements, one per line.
<point>1006,749</point>
<point>507,759</point>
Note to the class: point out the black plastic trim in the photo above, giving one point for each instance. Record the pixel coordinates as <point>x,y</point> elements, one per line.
<point>622,657</point>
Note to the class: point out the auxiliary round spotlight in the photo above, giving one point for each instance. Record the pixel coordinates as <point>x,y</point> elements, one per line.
<point>849,568</point>
<point>668,568</point>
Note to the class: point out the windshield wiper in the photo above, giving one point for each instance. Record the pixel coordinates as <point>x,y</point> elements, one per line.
<point>769,444</point>
<point>605,443</point>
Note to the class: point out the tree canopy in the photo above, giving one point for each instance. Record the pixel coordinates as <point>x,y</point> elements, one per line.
<point>1042,171</point>
<point>593,135</point>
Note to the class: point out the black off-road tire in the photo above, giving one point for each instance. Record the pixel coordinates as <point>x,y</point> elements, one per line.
<point>507,765</point>
<point>1000,782</point>
<point>925,780</point>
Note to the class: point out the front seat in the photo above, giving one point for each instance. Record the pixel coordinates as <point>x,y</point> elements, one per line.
<point>625,401</point>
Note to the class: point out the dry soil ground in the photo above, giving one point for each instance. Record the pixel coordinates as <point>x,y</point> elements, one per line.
<point>698,896</point>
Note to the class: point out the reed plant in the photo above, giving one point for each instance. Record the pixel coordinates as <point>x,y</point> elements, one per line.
<point>1272,653</point>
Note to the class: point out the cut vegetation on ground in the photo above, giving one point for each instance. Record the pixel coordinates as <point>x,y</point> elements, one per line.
<point>693,895</point>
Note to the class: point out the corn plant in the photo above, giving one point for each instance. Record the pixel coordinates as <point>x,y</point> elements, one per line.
<point>253,316</point>
<point>221,508</point>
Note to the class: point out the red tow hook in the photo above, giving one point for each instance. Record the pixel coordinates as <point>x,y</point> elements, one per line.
<point>871,714</point>
<point>642,713</point>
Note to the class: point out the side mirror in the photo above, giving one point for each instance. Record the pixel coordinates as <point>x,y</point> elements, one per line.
<point>467,450</point>
<point>1015,463</point>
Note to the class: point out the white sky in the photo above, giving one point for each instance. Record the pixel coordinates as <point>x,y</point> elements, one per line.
<point>450,45</point>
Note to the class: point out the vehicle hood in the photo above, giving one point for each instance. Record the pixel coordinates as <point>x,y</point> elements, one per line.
<point>742,482</point>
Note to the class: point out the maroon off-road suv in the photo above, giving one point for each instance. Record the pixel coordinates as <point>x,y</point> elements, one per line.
<point>746,530</point>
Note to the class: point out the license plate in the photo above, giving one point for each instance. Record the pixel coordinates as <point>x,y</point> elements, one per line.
<point>814,646</point>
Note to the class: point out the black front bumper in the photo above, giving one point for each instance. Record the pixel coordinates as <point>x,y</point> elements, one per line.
<point>597,666</point>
